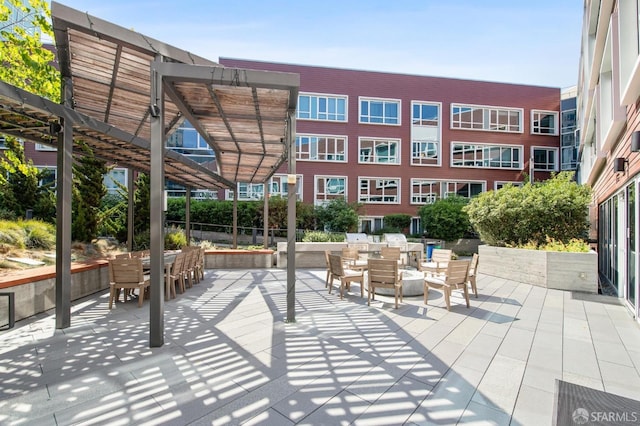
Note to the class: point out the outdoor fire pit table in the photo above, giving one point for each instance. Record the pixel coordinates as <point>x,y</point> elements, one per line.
<point>412,284</point>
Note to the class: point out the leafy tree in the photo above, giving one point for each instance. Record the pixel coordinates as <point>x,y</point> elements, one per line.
<point>445,219</point>
<point>88,190</point>
<point>26,62</point>
<point>555,209</point>
<point>338,216</point>
<point>19,189</point>
<point>142,204</point>
<point>399,221</point>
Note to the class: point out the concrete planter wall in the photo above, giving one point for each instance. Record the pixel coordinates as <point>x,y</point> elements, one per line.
<point>556,270</point>
<point>35,289</point>
<point>238,259</point>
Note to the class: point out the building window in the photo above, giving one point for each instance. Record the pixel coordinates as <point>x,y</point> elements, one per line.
<point>379,190</point>
<point>3,144</point>
<point>494,119</point>
<point>321,148</point>
<point>425,134</point>
<point>47,177</point>
<point>115,179</point>
<point>424,191</point>
<point>250,191</point>
<point>380,111</point>
<point>380,151</point>
<point>499,184</point>
<point>328,188</point>
<point>278,186</point>
<point>43,147</point>
<point>322,107</point>
<point>370,224</point>
<point>486,156</point>
<point>545,159</point>
<point>465,189</point>
<point>544,122</point>
<point>187,141</point>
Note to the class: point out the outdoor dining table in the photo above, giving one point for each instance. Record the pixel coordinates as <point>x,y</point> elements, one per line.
<point>169,258</point>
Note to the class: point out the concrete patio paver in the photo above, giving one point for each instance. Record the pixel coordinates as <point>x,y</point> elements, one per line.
<point>230,358</point>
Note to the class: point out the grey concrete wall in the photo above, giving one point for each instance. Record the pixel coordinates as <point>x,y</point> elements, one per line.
<point>238,260</point>
<point>556,270</point>
<point>39,296</point>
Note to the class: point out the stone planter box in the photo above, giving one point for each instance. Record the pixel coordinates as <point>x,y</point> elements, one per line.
<point>35,290</point>
<point>238,259</point>
<point>556,270</point>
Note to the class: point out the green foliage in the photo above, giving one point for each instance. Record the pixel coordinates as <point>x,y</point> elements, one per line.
<point>6,214</point>
<point>88,191</point>
<point>176,208</point>
<point>112,217</point>
<point>18,180</point>
<point>399,221</point>
<point>25,62</point>
<point>142,206</point>
<point>39,235</point>
<point>142,240</point>
<point>23,234</point>
<point>338,216</point>
<point>11,235</point>
<point>175,238</point>
<point>323,237</point>
<point>574,245</point>
<point>445,219</point>
<point>556,208</point>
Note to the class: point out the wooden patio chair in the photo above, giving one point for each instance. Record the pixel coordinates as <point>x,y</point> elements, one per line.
<point>328,279</point>
<point>176,274</point>
<point>439,260</point>
<point>351,258</point>
<point>345,275</point>
<point>455,277</point>
<point>383,273</point>
<point>391,253</point>
<point>126,274</point>
<point>473,270</point>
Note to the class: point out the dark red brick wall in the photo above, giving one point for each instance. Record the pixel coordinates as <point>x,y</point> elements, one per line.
<point>407,88</point>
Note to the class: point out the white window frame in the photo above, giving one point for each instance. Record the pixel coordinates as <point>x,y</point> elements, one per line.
<point>327,196</point>
<point>43,147</point>
<point>373,156</point>
<point>379,185</point>
<point>480,159</point>
<point>327,140</point>
<point>112,189</point>
<point>501,183</point>
<point>536,168</point>
<point>54,169</point>
<point>487,125</point>
<point>422,198</point>
<point>278,185</point>
<point>385,119</point>
<point>536,129</point>
<point>446,186</point>
<point>317,112</point>
<point>420,143</point>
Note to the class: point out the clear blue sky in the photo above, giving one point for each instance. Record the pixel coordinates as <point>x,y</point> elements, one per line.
<point>511,41</point>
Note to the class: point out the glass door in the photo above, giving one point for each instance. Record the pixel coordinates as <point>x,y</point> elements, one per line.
<point>630,290</point>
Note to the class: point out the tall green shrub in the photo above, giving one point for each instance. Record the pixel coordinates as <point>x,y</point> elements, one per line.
<point>397,222</point>
<point>88,190</point>
<point>554,209</point>
<point>445,219</point>
<point>338,216</point>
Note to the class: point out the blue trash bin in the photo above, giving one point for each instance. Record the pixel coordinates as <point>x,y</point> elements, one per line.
<point>430,247</point>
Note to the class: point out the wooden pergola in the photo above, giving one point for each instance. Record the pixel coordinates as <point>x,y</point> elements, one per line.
<point>123,93</point>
